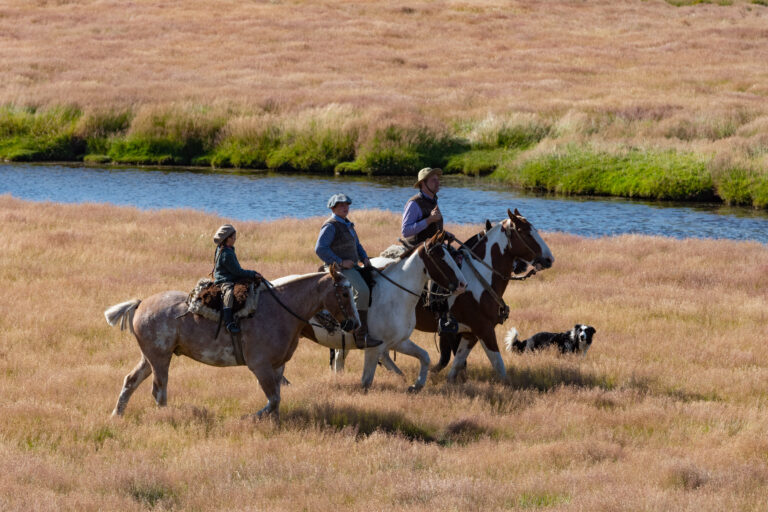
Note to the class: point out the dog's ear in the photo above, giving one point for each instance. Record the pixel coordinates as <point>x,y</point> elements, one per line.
<point>488,224</point>
<point>591,330</point>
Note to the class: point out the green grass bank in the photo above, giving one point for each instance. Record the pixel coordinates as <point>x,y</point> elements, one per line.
<point>699,158</point>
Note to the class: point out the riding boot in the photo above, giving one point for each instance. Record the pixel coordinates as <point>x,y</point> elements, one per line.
<point>362,338</point>
<point>447,324</point>
<point>229,321</point>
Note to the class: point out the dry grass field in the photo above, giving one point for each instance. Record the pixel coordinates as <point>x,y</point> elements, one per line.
<point>667,411</point>
<point>443,58</point>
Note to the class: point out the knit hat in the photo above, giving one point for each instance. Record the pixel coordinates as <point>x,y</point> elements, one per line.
<point>426,173</point>
<point>223,233</point>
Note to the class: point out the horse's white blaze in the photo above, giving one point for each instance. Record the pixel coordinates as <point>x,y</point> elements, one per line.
<point>545,252</point>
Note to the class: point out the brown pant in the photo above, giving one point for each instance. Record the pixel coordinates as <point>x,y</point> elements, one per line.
<point>227,294</point>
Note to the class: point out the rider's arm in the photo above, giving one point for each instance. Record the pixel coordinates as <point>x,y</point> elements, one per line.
<point>361,254</point>
<point>230,263</point>
<point>412,221</point>
<point>323,245</point>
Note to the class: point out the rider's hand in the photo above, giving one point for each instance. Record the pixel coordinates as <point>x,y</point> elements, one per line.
<point>435,216</point>
<point>346,264</point>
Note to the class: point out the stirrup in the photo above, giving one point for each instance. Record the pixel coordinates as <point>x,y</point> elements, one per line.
<point>447,325</point>
<point>233,328</point>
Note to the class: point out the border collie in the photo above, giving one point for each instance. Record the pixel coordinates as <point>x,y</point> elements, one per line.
<point>578,339</point>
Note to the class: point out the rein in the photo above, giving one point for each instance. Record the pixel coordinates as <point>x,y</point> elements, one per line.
<point>468,252</point>
<point>271,289</point>
<point>429,256</point>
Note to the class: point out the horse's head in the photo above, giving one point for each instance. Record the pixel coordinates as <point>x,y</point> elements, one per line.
<point>525,243</point>
<point>440,265</point>
<point>339,301</point>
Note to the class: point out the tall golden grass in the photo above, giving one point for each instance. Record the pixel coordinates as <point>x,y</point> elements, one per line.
<point>637,59</point>
<point>667,411</point>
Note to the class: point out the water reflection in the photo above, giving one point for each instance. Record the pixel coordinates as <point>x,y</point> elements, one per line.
<point>267,196</point>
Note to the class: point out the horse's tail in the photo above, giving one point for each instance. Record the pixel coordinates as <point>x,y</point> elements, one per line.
<point>510,339</point>
<point>122,313</point>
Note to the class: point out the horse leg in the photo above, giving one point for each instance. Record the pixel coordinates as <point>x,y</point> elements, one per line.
<point>494,356</point>
<point>372,356</point>
<point>409,348</point>
<point>389,364</point>
<point>160,382</point>
<point>281,377</point>
<point>460,361</point>
<point>339,356</point>
<point>448,346</point>
<point>131,382</point>
<point>269,380</point>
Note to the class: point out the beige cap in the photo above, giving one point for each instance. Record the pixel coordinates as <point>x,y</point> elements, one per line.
<point>426,173</point>
<point>223,233</point>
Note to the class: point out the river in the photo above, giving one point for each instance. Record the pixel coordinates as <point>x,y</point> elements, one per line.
<point>266,196</point>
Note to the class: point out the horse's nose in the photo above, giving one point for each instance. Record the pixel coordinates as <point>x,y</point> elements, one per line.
<point>544,262</point>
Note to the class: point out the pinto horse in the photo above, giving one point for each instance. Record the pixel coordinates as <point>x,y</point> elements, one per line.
<point>495,255</point>
<point>269,338</point>
<point>392,314</point>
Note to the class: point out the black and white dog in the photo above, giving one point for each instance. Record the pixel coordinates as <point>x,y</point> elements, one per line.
<point>578,339</point>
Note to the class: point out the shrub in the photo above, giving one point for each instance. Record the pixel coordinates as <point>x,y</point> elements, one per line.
<point>635,173</point>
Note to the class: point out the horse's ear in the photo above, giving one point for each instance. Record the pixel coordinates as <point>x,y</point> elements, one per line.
<point>488,225</point>
<point>509,212</point>
<point>517,213</point>
<point>334,271</point>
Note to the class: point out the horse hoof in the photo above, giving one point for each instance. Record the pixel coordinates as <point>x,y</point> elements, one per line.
<point>414,389</point>
<point>436,369</point>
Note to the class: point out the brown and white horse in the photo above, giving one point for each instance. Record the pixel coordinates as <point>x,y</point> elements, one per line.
<point>495,254</point>
<point>392,313</point>
<point>500,249</point>
<point>269,338</point>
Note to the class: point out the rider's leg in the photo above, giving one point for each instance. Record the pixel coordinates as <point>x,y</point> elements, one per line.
<point>228,299</point>
<point>362,296</point>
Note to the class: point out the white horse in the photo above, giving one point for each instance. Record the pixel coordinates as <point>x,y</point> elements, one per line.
<point>490,261</point>
<point>392,315</point>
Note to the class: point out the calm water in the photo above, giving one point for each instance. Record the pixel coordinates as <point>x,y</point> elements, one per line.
<point>462,200</point>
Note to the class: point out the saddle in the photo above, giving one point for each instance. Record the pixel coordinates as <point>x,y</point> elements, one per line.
<point>367,275</point>
<point>205,299</point>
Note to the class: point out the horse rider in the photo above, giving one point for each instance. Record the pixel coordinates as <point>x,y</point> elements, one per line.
<point>227,270</point>
<point>338,243</point>
<point>421,220</point>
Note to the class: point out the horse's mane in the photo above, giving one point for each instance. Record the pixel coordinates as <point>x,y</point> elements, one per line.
<point>280,282</point>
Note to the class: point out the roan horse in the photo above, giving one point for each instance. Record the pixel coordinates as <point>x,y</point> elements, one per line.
<point>495,255</point>
<point>269,338</point>
<point>392,315</point>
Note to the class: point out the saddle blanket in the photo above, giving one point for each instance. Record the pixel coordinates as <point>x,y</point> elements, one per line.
<point>205,299</point>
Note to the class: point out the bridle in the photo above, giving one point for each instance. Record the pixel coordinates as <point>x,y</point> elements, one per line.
<point>467,252</point>
<point>427,251</point>
<point>430,257</point>
<point>346,324</point>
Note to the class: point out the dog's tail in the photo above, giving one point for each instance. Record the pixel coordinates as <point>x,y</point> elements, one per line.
<point>510,340</point>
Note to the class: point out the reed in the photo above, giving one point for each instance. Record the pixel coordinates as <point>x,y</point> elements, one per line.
<point>665,412</point>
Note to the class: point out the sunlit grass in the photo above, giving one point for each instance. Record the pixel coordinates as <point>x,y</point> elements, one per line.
<point>665,412</point>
